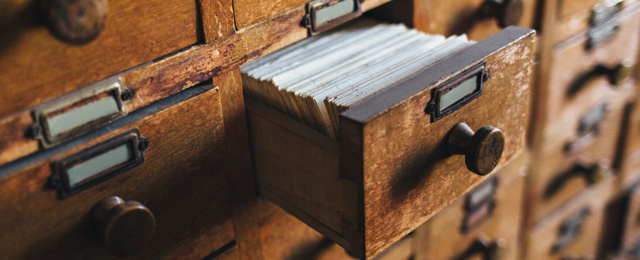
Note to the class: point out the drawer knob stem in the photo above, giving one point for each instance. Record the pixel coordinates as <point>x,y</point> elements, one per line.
<point>76,21</point>
<point>506,12</point>
<point>124,227</point>
<point>482,149</point>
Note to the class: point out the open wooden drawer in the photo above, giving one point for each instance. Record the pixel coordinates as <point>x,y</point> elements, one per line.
<point>390,170</point>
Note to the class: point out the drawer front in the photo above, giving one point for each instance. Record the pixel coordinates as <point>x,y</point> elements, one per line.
<point>248,12</point>
<point>577,74</point>
<point>478,19</point>
<point>487,229</point>
<point>36,66</point>
<point>402,155</point>
<point>575,16</point>
<point>630,220</point>
<point>577,152</point>
<point>180,178</point>
<point>573,231</point>
<point>391,170</point>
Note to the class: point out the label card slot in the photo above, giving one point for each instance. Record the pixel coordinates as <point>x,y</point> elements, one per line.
<point>98,163</point>
<point>323,15</point>
<point>78,114</point>
<point>457,92</point>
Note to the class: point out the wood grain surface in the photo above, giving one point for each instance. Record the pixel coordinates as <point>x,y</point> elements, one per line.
<point>36,67</point>
<point>540,238</point>
<point>450,17</point>
<point>217,18</point>
<point>183,181</point>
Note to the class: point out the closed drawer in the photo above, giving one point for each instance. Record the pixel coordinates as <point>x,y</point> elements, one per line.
<point>248,12</point>
<point>485,223</point>
<point>37,66</point>
<point>179,178</point>
<point>574,231</point>
<point>576,16</point>
<point>577,151</point>
<point>478,19</point>
<point>577,74</point>
<point>630,232</point>
<point>391,171</point>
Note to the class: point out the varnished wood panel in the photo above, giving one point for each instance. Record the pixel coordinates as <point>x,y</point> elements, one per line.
<point>574,17</point>
<point>553,161</point>
<point>217,18</point>
<point>248,12</point>
<point>35,66</point>
<point>391,171</point>
<point>183,181</point>
<point>540,238</point>
<point>571,81</point>
<point>629,160</point>
<point>451,17</point>
<point>442,237</point>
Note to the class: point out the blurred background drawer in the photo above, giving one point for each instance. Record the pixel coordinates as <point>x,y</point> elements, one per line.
<point>578,74</point>
<point>151,157</point>
<point>484,224</point>
<point>476,18</point>
<point>578,151</point>
<point>574,231</point>
<point>98,38</point>
<point>576,16</point>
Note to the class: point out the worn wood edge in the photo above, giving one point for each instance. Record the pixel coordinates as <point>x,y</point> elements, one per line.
<point>437,73</point>
<point>156,107</point>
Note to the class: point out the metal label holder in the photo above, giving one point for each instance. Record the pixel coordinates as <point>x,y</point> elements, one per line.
<point>478,72</point>
<point>479,204</point>
<point>60,178</point>
<point>113,92</point>
<point>323,15</point>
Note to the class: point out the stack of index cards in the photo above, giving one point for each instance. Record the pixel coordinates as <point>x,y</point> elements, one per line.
<point>318,78</point>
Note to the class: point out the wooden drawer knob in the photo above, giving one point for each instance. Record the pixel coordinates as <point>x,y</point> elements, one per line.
<point>506,12</point>
<point>482,149</point>
<point>76,21</point>
<point>124,227</point>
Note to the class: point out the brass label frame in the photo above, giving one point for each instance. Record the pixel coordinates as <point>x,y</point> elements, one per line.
<point>433,107</point>
<point>310,19</point>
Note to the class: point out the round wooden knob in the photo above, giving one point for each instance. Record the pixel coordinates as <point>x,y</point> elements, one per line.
<point>482,149</point>
<point>76,21</point>
<point>124,227</point>
<point>506,12</point>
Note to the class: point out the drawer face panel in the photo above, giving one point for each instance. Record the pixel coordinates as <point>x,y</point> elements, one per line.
<point>181,180</point>
<point>577,74</point>
<point>575,16</point>
<point>445,236</point>
<point>578,150</point>
<point>391,171</point>
<point>477,18</point>
<point>573,231</point>
<point>630,157</point>
<point>248,12</point>
<point>36,66</point>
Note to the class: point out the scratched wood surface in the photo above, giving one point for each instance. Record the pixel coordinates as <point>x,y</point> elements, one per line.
<point>388,166</point>
<point>571,84</point>
<point>450,17</point>
<point>172,74</point>
<point>217,18</point>
<point>600,148</point>
<point>35,66</point>
<point>574,17</point>
<point>441,238</point>
<point>183,181</point>
<point>541,237</point>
